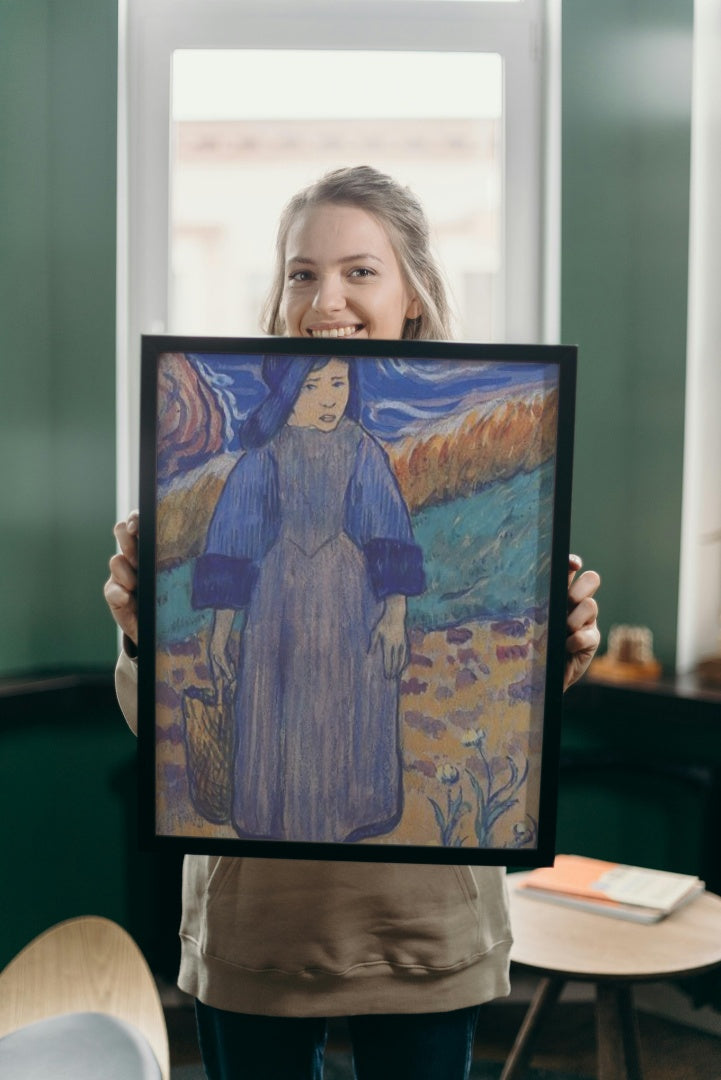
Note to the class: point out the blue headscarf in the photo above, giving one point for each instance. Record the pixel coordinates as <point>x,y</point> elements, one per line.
<point>284,376</point>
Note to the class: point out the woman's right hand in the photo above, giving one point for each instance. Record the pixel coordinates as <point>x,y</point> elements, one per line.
<point>221,663</point>
<point>221,667</point>
<point>121,587</point>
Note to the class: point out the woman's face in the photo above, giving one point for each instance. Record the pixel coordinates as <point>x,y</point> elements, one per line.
<point>323,397</point>
<point>342,277</point>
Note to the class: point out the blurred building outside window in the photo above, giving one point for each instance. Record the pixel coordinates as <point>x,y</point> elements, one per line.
<point>235,161</point>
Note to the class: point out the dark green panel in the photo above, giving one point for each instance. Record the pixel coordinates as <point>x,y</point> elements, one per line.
<point>632,789</point>
<point>83,128</point>
<point>638,820</point>
<point>62,785</point>
<point>69,787</point>
<point>57,318</point>
<point>26,400</point>
<point>626,145</point>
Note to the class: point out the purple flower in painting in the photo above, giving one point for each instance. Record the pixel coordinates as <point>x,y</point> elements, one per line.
<point>172,734</point>
<point>420,660</point>
<point>166,695</point>
<point>429,725</point>
<point>413,686</point>
<point>425,768</point>
<point>465,678</point>
<point>529,689</point>
<point>172,775</point>
<point>510,627</point>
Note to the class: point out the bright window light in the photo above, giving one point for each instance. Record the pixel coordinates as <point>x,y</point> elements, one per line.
<point>239,153</point>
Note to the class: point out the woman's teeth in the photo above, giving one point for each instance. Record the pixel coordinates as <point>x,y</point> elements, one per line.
<point>336,332</point>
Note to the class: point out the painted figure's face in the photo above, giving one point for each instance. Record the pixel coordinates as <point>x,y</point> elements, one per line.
<point>323,397</point>
<point>342,277</point>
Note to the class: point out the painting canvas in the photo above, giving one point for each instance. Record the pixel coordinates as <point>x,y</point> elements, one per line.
<point>353,572</point>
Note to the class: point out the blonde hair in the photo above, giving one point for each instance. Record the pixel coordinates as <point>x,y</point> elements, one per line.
<point>403,217</point>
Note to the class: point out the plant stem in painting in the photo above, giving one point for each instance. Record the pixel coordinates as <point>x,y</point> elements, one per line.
<point>492,805</point>
<point>449,820</point>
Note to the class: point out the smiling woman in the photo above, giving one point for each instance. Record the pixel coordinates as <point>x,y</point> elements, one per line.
<point>356,269</point>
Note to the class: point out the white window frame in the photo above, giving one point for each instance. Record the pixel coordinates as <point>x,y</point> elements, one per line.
<point>526,34</point>
<point>699,597</point>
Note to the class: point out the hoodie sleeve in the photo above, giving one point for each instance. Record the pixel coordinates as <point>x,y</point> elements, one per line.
<point>126,688</point>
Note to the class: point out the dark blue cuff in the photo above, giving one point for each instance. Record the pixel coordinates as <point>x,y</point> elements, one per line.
<point>221,581</point>
<point>395,567</point>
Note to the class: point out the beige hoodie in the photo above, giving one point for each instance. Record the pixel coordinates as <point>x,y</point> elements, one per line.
<point>286,937</point>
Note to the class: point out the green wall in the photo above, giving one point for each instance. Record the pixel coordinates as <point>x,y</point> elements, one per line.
<point>58,74</point>
<point>626,146</point>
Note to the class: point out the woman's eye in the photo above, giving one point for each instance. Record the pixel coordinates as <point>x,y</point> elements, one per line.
<point>300,276</point>
<point>362,272</point>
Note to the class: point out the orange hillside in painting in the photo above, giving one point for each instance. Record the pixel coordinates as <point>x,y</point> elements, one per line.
<point>484,447</point>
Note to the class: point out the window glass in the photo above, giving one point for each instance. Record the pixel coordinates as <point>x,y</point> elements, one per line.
<point>251,127</point>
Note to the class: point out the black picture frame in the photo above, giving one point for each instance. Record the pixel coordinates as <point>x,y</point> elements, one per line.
<point>473,443</point>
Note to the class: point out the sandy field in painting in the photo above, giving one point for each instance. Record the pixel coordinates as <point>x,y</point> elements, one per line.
<point>471,714</point>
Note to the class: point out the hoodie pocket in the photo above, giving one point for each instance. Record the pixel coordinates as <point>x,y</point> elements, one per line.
<point>293,916</point>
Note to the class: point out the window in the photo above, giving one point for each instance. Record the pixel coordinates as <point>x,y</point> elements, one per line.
<point>237,156</point>
<point>231,104</point>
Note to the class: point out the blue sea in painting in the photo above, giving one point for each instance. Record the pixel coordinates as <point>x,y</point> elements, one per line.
<point>481,554</point>
<point>499,532</point>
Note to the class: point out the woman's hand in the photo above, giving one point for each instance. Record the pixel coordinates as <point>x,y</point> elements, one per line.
<point>583,635</point>
<point>121,587</point>
<point>221,664</point>
<point>390,633</point>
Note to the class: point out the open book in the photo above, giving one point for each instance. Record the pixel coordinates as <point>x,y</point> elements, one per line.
<point>608,888</point>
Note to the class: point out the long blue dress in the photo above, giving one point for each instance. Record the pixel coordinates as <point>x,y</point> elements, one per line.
<point>309,535</point>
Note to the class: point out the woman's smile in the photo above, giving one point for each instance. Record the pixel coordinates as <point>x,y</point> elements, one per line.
<point>334,331</point>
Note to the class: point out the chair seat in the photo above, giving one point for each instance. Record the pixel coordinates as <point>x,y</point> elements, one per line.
<point>78,1046</point>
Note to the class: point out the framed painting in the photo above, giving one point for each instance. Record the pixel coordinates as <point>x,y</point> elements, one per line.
<point>352,597</point>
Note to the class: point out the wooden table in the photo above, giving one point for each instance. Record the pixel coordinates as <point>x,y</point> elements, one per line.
<point>563,944</point>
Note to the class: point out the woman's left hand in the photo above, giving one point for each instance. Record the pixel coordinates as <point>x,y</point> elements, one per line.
<point>390,633</point>
<point>583,635</point>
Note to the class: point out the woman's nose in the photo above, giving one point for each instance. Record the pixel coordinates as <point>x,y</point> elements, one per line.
<point>329,295</point>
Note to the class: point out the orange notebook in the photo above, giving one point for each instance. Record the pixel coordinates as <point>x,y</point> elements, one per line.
<point>631,892</point>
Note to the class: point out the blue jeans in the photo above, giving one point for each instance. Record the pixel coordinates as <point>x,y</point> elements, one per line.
<point>414,1046</point>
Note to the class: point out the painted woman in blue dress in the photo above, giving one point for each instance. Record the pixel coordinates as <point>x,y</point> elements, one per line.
<point>311,538</point>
